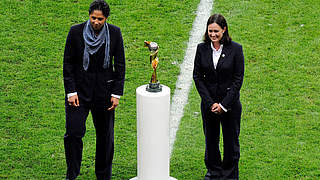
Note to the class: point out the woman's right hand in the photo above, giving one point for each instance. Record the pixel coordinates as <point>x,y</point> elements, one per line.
<point>215,108</point>
<point>73,100</point>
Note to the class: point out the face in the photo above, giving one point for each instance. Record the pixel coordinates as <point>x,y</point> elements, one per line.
<point>215,32</point>
<point>97,19</point>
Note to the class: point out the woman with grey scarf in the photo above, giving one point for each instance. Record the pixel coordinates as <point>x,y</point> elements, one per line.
<point>93,73</point>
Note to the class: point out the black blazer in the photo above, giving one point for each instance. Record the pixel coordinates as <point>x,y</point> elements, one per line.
<point>97,83</point>
<point>220,85</point>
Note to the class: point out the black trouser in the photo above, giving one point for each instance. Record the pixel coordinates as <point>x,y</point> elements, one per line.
<point>75,129</point>
<point>230,122</point>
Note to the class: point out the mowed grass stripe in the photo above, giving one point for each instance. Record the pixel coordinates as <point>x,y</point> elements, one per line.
<point>184,81</point>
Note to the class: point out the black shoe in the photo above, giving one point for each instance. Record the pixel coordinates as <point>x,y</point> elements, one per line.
<point>211,176</point>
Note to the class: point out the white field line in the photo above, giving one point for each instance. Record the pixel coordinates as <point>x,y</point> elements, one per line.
<point>184,81</point>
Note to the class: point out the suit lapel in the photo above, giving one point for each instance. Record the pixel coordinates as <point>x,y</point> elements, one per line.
<point>209,58</point>
<point>223,57</point>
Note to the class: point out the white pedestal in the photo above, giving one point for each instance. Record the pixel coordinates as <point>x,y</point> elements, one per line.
<point>153,110</point>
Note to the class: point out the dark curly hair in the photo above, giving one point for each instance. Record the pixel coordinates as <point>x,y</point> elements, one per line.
<point>100,5</point>
<point>221,21</point>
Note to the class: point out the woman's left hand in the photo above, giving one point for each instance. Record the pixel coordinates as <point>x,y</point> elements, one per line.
<point>215,108</point>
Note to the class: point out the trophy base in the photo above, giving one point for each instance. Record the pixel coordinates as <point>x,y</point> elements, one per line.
<point>154,87</point>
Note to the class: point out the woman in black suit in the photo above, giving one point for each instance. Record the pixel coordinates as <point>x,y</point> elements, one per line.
<point>93,74</point>
<point>218,76</point>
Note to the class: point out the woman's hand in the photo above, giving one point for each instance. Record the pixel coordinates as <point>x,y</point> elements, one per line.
<point>215,108</point>
<point>73,101</point>
<point>115,103</point>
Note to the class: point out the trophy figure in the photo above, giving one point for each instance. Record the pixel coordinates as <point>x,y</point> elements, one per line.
<point>154,85</point>
<point>153,115</point>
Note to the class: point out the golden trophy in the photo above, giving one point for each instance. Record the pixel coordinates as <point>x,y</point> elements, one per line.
<point>154,85</point>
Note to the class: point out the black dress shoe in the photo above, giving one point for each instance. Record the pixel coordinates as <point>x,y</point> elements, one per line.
<point>207,176</point>
<point>211,176</point>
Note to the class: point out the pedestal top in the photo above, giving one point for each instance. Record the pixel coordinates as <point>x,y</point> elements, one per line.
<point>141,90</point>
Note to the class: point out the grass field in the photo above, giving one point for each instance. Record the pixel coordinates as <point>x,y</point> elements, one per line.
<point>280,95</point>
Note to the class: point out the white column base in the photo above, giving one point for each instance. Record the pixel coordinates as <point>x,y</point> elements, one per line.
<point>153,111</point>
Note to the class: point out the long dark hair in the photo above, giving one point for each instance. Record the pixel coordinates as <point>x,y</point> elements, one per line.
<point>100,5</point>
<point>221,21</point>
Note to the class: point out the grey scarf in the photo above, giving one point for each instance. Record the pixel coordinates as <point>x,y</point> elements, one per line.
<point>93,44</point>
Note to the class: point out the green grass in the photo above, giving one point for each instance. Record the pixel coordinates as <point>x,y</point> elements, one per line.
<point>33,34</point>
<point>280,94</point>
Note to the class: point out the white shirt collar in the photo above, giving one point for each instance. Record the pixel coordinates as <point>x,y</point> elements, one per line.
<point>216,55</point>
